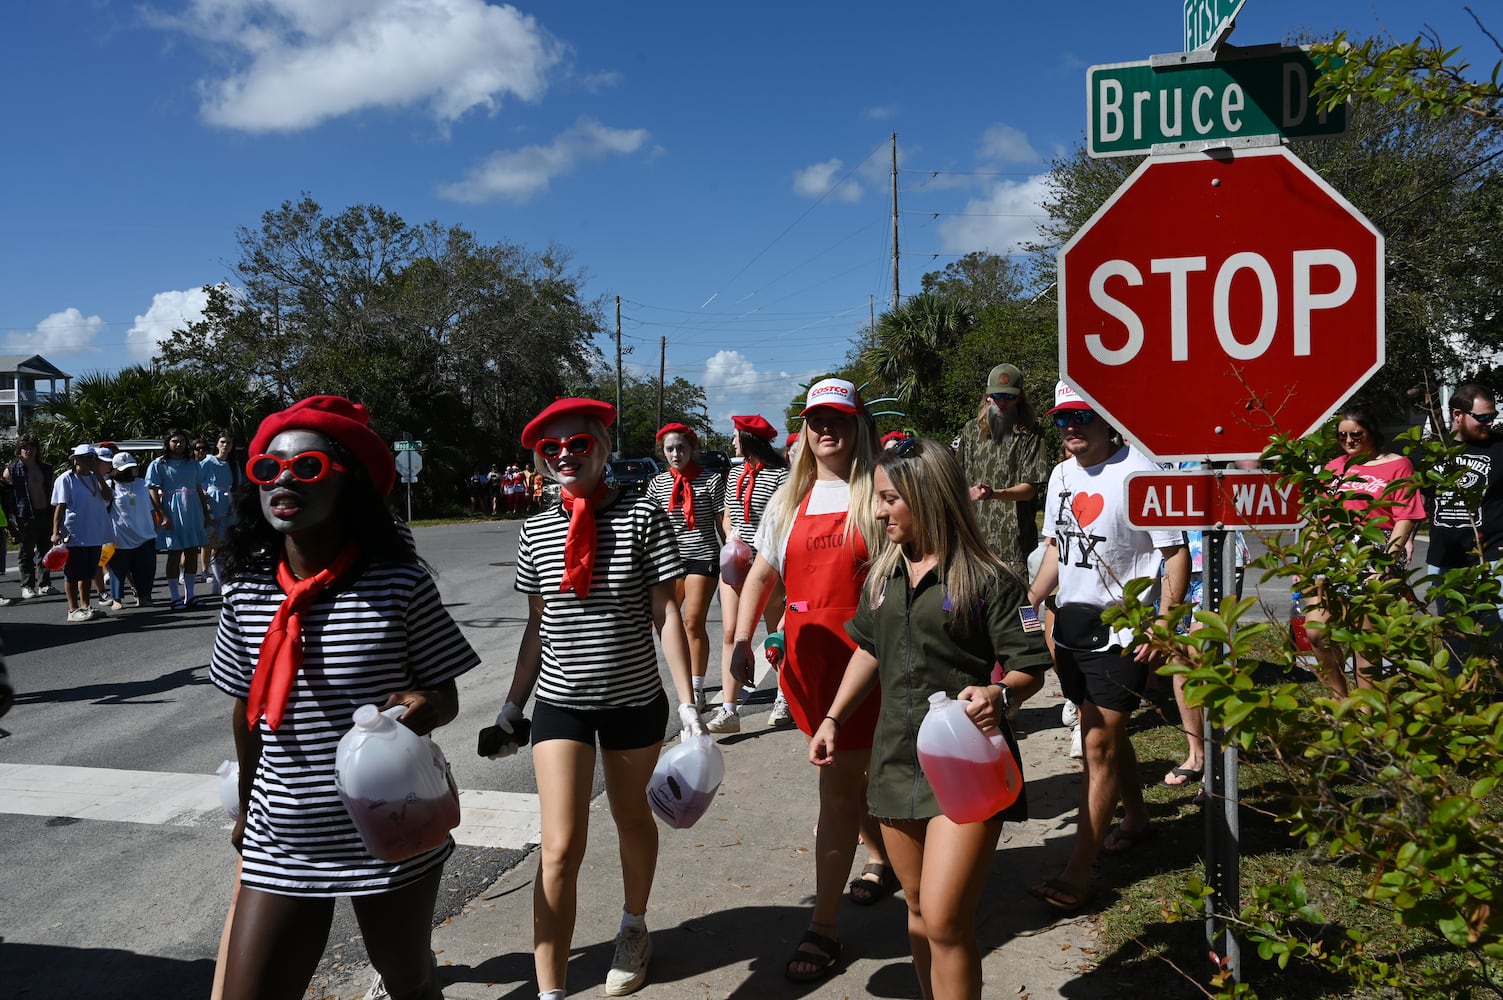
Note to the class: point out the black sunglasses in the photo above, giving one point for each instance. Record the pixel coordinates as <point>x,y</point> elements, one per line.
<point>1481,418</point>
<point>1079,418</point>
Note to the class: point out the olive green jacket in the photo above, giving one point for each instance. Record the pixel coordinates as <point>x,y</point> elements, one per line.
<point>917,655</point>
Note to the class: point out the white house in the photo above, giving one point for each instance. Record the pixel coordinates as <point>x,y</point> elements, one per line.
<point>26,381</point>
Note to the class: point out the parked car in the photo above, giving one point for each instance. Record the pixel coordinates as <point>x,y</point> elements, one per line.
<point>715,461</point>
<point>630,475</point>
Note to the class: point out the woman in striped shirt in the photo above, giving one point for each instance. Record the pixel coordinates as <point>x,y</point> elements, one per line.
<point>601,573</point>
<point>326,608</point>
<point>763,470</point>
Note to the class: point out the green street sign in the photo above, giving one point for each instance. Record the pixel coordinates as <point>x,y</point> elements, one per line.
<point>1181,103</point>
<point>1208,22</point>
<point>409,446</point>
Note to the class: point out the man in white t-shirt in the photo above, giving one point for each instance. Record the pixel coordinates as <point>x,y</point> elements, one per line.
<point>1092,552</point>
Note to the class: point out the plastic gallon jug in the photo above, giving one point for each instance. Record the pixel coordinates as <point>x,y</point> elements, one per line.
<point>395,785</point>
<point>974,776</point>
<point>685,781</point>
<point>735,562</point>
<point>56,558</point>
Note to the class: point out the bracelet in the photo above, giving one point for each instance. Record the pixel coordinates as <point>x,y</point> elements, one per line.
<point>834,720</point>
<point>741,638</point>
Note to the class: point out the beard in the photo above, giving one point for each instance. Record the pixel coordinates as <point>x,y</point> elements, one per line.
<point>1001,424</point>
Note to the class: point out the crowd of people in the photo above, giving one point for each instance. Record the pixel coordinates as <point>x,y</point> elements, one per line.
<point>881,570</point>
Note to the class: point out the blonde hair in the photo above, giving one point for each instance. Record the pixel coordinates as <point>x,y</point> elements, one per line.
<point>927,475</point>
<point>801,477</point>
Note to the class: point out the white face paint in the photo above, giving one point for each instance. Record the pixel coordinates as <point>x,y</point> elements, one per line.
<point>291,506</point>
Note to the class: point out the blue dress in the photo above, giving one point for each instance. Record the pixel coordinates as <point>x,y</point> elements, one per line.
<point>179,482</point>
<point>219,480</point>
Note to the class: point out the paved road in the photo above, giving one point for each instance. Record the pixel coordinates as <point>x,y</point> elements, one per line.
<point>117,860</point>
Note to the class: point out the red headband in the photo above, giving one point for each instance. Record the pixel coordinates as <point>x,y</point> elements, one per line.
<point>339,420</point>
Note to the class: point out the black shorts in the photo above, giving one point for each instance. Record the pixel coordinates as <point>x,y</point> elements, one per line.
<point>1111,680</point>
<point>702,567</point>
<point>83,562</point>
<point>630,727</point>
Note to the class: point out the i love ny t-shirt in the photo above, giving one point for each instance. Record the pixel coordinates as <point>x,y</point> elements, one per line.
<point>1085,512</point>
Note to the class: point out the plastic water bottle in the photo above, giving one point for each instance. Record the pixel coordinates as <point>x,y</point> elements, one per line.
<point>229,788</point>
<point>772,648</point>
<point>974,776</point>
<point>685,781</point>
<point>1297,622</point>
<point>395,785</point>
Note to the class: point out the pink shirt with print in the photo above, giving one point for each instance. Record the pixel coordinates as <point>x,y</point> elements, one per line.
<point>1363,483</point>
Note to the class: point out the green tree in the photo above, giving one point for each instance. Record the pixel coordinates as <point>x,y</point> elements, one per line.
<point>908,355</point>
<point>1422,74</point>
<point>682,402</point>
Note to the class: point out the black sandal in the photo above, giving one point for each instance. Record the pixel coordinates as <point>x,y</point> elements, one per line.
<point>823,960</point>
<point>865,892</point>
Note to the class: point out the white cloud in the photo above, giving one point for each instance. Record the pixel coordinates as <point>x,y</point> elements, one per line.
<point>735,385</point>
<point>169,311</point>
<point>594,83</point>
<point>880,113</point>
<point>297,63</point>
<point>60,333</point>
<point>820,180</point>
<point>1001,221</point>
<point>520,174</point>
<point>1004,144</point>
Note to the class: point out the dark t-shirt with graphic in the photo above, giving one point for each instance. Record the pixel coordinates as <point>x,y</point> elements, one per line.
<point>1472,513</point>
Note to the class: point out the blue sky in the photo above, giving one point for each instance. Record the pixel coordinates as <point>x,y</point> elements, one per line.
<point>722,168</point>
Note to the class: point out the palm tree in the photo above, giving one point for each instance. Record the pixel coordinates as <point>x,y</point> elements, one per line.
<point>909,350</point>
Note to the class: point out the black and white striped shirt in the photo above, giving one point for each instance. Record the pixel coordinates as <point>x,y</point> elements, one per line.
<point>387,631</point>
<point>598,651</point>
<point>766,484</point>
<point>703,543</point>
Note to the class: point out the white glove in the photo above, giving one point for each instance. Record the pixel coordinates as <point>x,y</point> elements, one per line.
<point>508,715</point>
<point>688,716</point>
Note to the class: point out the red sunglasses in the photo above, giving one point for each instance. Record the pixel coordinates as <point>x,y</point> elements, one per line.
<point>307,467</point>
<point>579,444</point>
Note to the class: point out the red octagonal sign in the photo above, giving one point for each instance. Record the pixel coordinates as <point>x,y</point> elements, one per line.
<point>1215,300</point>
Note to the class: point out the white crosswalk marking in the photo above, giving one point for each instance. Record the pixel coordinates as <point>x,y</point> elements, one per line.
<point>488,818</point>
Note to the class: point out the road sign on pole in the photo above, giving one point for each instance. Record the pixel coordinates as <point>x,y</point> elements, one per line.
<point>1214,301</point>
<point>1208,499</point>
<point>1179,102</point>
<point>408,445</point>
<point>1208,22</point>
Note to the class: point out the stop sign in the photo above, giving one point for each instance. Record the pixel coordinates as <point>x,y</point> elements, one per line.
<point>1215,300</point>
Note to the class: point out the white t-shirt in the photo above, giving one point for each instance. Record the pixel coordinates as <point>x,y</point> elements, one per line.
<point>87,520</point>
<point>1085,512</point>
<point>133,524</point>
<point>829,496</point>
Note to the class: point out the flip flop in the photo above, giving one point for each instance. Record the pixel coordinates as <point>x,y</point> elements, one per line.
<point>1185,776</point>
<point>178,605</point>
<point>197,602</point>
<point>1060,894</point>
<point>1120,841</point>
<point>865,891</point>
<point>823,960</point>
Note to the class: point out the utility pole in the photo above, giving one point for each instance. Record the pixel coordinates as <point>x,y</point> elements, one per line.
<point>619,421</point>
<point>662,368</point>
<point>894,221</point>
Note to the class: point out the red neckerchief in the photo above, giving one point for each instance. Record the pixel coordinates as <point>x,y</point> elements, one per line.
<point>748,477</point>
<point>684,481</point>
<point>282,649</point>
<point>579,543</point>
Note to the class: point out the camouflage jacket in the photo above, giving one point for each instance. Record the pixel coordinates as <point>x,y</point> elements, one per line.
<point>1010,528</point>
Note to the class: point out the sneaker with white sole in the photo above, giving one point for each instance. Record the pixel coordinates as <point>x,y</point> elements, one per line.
<point>781,717</point>
<point>78,615</point>
<point>27,593</point>
<point>1076,750</point>
<point>46,590</point>
<point>93,614</point>
<point>725,720</point>
<point>701,703</point>
<point>1069,715</point>
<point>629,966</point>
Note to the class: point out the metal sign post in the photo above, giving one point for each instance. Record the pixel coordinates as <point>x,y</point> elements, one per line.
<point>1223,834</point>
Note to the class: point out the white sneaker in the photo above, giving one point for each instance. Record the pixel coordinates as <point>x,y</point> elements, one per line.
<point>27,593</point>
<point>701,704</point>
<point>78,615</point>
<point>1076,750</point>
<point>91,614</point>
<point>1069,715</point>
<point>629,966</point>
<point>780,718</point>
<point>46,590</point>
<point>725,720</point>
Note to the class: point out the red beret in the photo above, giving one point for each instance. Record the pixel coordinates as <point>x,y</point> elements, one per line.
<point>792,440</point>
<point>677,428</point>
<point>340,420</point>
<point>601,411</point>
<point>756,425</point>
<point>893,436</point>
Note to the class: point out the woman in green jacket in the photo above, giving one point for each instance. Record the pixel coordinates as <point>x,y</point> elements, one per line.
<point>937,611</point>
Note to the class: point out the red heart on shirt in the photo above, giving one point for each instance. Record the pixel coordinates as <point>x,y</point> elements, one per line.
<point>1086,507</point>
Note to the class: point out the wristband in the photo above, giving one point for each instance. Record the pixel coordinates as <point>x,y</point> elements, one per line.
<point>834,720</point>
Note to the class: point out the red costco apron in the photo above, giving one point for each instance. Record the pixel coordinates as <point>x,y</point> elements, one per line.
<point>823,577</point>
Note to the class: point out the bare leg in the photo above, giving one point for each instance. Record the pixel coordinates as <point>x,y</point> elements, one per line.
<point>1192,721</point>
<point>842,803</point>
<point>1110,775</point>
<point>398,931</point>
<point>627,773</point>
<point>1330,661</point>
<point>224,938</point>
<point>565,771</point>
<point>275,944</point>
<point>697,591</point>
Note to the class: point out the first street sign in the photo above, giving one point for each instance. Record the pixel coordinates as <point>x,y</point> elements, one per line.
<point>1205,500</point>
<point>1208,22</point>
<point>1181,103</point>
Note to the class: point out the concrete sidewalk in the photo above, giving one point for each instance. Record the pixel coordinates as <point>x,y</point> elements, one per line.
<point>732,895</point>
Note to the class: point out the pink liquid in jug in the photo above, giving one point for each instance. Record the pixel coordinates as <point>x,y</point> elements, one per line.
<point>396,831</point>
<point>971,791</point>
